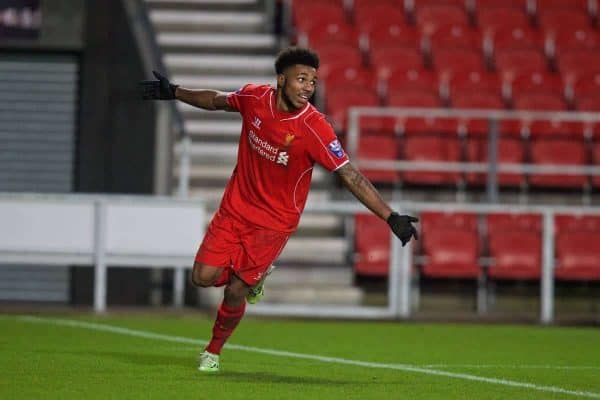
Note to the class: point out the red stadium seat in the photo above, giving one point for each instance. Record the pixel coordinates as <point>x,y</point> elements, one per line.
<point>578,62</point>
<point>448,221</point>
<point>516,255</point>
<point>431,147</point>
<point>332,32</point>
<point>474,80</point>
<point>510,151</point>
<point>342,76</point>
<point>339,100</point>
<point>391,60</point>
<point>379,147</point>
<point>382,14</point>
<point>454,36</point>
<point>519,4</point>
<point>413,98</point>
<point>451,245</point>
<point>588,103</point>
<point>313,13</point>
<point>572,39</point>
<point>431,18</point>
<point>449,62</point>
<point>586,85</point>
<point>578,256</point>
<point>413,79</point>
<point>596,159</point>
<point>510,148</point>
<point>426,3</point>
<point>396,34</point>
<point>478,100</point>
<point>552,151</point>
<point>577,238</point>
<point>555,129</point>
<point>515,246</point>
<point>513,38</point>
<point>503,223</point>
<point>372,246</point>
<point>539,102</point>
<point>511,63</point>
<point>577,223</point>
<point>552,20</point>
<point>491,20</point>
<point>537,82</point>
<point>545,5</point>
<point>335,56</point>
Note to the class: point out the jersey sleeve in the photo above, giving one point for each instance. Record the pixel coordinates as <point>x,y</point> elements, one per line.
<point>324,147</point>
<point>240,99</point>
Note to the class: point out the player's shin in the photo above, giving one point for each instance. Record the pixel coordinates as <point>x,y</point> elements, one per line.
<point>228,318</point>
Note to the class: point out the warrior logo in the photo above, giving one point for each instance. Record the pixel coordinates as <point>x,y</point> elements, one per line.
<point>256,122</point>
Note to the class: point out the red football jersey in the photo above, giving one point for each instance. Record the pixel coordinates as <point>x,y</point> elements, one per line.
<point>276,155</point>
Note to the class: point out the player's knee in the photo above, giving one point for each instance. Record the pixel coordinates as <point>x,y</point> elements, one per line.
<point>200,278</point>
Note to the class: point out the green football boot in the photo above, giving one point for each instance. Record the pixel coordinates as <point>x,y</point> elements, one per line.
<point>209,362</point>
<point>258,292</point>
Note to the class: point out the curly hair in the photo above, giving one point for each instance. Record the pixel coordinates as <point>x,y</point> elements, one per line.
<point>295,55</point>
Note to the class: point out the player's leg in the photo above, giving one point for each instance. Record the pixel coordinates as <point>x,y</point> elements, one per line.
<point>205,275</point>
<point>229,315</point>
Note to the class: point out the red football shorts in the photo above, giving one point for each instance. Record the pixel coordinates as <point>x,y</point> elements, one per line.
<point>242,249</point>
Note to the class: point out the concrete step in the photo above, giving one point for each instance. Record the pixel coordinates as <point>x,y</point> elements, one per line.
<point>203,2</point>
<point>192,113</point>
<point>302,295</point>
<point>288,275</point>
<point>232,42</point>
<point>316,250</point>
<point>233,5</point>
<point>222,82</point>
<point>211,63</point>
<point>214,129</point>
<point>207,21</point>
<point>339,295</point>
<point>210,152</point>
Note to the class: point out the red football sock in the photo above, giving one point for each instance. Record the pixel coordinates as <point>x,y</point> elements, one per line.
<point>227,319</point>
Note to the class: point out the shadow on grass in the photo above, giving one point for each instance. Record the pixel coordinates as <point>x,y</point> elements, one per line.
<point>190,364</point>
<point>268,377</point>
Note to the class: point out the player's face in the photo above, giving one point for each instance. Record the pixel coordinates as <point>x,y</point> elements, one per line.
<point>298,84</point>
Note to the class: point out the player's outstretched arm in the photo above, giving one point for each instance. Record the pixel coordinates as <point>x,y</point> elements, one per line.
<point>366,193</point>
<point>162,89</point>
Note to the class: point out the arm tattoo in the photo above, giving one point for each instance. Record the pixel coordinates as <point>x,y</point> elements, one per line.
<point>363,190</point>
<point>354,180</point>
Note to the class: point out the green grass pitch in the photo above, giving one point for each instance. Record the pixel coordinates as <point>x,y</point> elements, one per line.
<point>155,357</point>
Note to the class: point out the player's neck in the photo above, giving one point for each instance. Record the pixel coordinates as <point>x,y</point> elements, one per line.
<point>281,104</point>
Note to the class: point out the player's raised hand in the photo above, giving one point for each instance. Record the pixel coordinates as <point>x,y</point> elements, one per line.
<point>160,89</point>
<point>402,227</point>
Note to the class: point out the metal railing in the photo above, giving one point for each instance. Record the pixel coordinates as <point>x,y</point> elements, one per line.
<point>492,167</point>
<point>169,121</point>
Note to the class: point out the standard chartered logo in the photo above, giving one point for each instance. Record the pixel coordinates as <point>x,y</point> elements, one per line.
<point>267,150</point>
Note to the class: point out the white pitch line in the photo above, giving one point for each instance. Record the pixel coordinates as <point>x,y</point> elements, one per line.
<point>314,357</point>
<point>523,366</point>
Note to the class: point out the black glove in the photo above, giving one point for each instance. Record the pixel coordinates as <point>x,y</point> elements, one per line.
<point>402,227</point>
<point>161,89</point>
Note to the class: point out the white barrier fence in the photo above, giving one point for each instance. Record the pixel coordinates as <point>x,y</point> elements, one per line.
<point>112,231</point>
<point>103,231</point>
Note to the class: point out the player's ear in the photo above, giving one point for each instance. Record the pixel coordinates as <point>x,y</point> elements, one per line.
<point>280,80</point>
